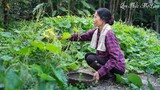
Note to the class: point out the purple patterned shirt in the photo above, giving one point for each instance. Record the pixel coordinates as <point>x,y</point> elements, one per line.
<point>113,53</point>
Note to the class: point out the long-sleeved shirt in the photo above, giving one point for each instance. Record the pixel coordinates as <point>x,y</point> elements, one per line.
<point>113,53</point>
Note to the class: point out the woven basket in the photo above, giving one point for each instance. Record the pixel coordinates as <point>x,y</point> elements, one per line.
<point>75,78</point>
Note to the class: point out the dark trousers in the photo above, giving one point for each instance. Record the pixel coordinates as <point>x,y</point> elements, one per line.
<point>96,62</point>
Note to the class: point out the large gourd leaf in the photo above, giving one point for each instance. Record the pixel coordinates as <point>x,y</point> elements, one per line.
<point>46,77</point>
<point>66,35</point>
<point>53,48</point>
<point>135,79</point>
<point>12,81</point>
<point>121,79</point>
<point>60,77</point>
<point>40,45</point>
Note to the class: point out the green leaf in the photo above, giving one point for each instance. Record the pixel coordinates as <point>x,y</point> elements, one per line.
<point>150,70</point>
<point>84,64</point>
<point>6,57</point>
<point>156,61</point>
<point>1,29</point>
<point>87,12</point>
<point>140,71</point>
<point>79,55</point>
<point>84,21</point>
<point>74,66</point>
<point>121,79</point>
<point>17,31</point>
<point>60,76</point>
<point>118,78</point>
<point>53,48</point>
<point>65,24</point>
<point>40,45</point>
<point>6,34</point>
<point>64,68</point>
<point>25,50</point>
<point>66,35</point>
<point>54,13</point>
<point>134,87</point>
<point>63,9</point>
<point>80,12</point>
<point>2,69</point>
<point>75,30</point>
<point>12,81</point>
<point>135,79</point>
<point>46,77</point>
<point>85,4</point>
<point>36,68</point>
<point>150,85</point>
<point>92,7</point>
<point>23,72</point>
<point>38,8</point>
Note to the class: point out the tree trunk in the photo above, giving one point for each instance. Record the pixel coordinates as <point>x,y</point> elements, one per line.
<point>100,3</point>
<point>104,2</point>
<point>51,7</point>
<point>117,5</point>
<point>130,16</point>
<point>113,9</point>
<point>157,22</point>
<point>110,6</point>
<point>69,7</point>
<point>126,12</point>
<point>133,15</point>
<point>121,10</point>
<point>58,5</point>
<point>5,13</point>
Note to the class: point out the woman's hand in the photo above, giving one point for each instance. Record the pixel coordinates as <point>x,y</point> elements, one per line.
<point>96,76</point>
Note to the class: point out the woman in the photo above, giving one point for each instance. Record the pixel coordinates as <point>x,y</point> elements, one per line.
<point>108,58</point>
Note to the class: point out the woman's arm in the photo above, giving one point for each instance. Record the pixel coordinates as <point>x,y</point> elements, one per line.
<point>87,36</point>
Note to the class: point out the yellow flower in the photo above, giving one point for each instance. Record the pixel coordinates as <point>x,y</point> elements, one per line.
<point>58,16</point>
<point>46,36</point>
<point>52,33</point>
<point>48,30</point>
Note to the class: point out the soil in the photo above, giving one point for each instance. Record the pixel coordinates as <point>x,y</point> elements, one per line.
<point>110,85</point>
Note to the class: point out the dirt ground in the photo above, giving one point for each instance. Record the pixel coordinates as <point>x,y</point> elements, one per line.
<point>109,85</point>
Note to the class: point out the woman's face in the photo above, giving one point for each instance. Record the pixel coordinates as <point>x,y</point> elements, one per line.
<point>97,20</point>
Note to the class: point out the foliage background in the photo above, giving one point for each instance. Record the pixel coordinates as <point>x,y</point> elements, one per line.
<point>137,12</point>
<point>32,62</point>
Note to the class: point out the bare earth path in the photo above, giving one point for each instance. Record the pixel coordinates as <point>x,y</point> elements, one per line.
<point>109,85</point>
